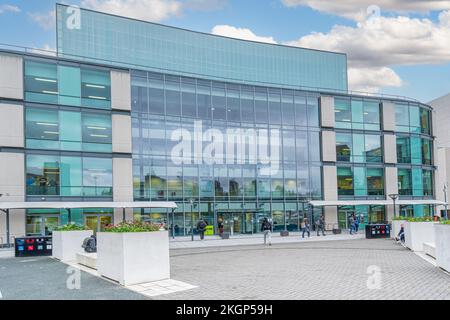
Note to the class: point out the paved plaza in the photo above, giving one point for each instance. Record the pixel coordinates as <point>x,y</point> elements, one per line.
<point>325,269</point>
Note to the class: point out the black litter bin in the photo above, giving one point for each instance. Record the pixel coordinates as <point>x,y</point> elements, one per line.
<point>33,246</point>
<point>374,231</point>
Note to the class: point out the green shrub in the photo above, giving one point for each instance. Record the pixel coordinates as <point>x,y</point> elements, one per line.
<point>71,227</point>
<point>135,226</point>
<point>400,218</point>
<point>420,219</point>
<point>445,221</point>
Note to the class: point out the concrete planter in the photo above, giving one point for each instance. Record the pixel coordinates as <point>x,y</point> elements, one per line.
<point>133,257</point>
<point>396,225</point>
<point>416,233</point>
<point>66,244</point>
<point>442,234</point>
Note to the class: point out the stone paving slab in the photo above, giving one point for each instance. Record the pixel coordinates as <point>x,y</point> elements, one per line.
<point>308,270</point>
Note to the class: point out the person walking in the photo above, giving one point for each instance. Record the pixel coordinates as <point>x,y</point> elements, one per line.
<point>306,228</point>
<point>201,227</point>
<point>320,225</point>
<point>357,221</point>
<point>266,228</point>
<point>351,222</point>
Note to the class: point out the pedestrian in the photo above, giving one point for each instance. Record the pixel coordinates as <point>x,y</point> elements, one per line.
<point>320,225</point>
<point>401,235</point>
<point>266,228</point>
<point>306,228</point>
<point>357,221</point>
<point>351,222</point>
<point>201,227</point>
<point>220,226</point>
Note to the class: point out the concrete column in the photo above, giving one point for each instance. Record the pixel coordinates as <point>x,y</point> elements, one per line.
<point>391,187</point>
<point>390,148</point>
<point>328,146</point>
<point>121,133</point>
<point>11,76</point>
<point>11,125</point>
<point>122,185</point>
<point>327,118</point>
<point>120,90</point>
<point>12,186</point>
<point>330,183</point>
<point>388,116</point>
<point>331,217</point>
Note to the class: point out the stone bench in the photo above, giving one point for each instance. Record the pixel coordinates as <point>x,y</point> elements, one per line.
<point>87,259</point>
<point>429,248</point>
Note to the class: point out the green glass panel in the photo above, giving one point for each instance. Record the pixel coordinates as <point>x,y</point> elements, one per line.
<point>403,150</point>
<point>70,123</point>
<point>41,82</point>
<point>69,85</point>
<point>417,182</point>
<point>375,181</point>
<point>416,150</point>
<point>402,117</point>
<point>414,120</point>
<point>96,88</point>
<point>357,114</point>
<point>42,175</point>
<point>344,145</point>
<point>404,182</point>
<point>71,181</point>
<point>97,177</point>
<point>425,121</point>
<point>360,183</point>
<point>371,115</point>
<point>373,150</point>
<point>358,148</point>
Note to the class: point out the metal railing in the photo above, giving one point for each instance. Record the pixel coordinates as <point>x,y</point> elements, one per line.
<point>129,65</point>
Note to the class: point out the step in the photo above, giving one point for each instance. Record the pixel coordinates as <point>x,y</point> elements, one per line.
<point>429,248</point>
<point>87,259</point>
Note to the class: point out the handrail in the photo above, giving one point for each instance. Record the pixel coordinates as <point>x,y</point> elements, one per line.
<point>53,53</point>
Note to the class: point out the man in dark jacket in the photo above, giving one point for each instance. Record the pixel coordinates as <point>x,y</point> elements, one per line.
<point>320,225</point>
<point>266,228</point>
<point>201,228</point>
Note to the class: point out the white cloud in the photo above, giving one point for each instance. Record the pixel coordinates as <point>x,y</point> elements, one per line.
<point>357,9</point>
<point>372,79</point>
<point>379,43</point>
<point>46,20</point>
<point>8,8</point>
<point>149,10</point>
<point>240,33</point>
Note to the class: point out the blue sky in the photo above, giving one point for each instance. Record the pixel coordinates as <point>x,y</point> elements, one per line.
<point>407,53</point>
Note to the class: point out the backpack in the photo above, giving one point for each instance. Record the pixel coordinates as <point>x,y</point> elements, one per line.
<point>90,244</point>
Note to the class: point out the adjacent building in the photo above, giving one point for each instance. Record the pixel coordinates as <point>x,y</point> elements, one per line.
<point>231,130</point>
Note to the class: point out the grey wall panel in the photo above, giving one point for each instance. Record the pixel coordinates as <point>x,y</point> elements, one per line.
<point>11,76</point>
<point>329,146</point>
<point>121,133</point>
<point>388,116</point>
<point>120,90</point>
<point>327,111</point>
<point>390,148</point>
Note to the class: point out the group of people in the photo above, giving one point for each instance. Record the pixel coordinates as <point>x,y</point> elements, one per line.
<point>353,222</point>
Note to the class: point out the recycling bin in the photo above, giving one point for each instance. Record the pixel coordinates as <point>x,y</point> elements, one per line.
<point>376,231</point>
<point>33,246</point>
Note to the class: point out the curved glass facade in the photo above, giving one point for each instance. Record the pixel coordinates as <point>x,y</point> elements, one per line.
<point>232,187</point>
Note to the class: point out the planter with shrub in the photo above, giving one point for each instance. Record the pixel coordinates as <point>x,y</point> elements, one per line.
<point>133,252</point>
<point>417,231</point>
<point>67,241</point>
<point>442,234</point>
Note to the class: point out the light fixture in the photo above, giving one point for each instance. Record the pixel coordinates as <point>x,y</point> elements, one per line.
<point>99,135</point>
<point>45,80</point>
<point>94,86</point>
<point>51,132</point>
<point>97,128</point>
<point>50,92</point>
<point>47,124</point>
<point>96,97</point>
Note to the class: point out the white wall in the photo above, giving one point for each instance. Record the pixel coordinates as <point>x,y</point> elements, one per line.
<point>11,125</point>
<point>121,133</point>
<point>390,148</point>
<point>388,116</point>
<point>327,111</point>
<point>11,76</point>
<point>329,146</point>
<point>120,90</point>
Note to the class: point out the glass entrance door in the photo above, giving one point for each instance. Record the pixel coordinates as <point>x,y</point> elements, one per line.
<point>237,222</point>
<point>344,214</point>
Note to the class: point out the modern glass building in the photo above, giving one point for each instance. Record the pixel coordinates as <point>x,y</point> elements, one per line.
<point>228,129</point>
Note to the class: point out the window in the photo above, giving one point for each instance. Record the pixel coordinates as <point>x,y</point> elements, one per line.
<point>188,98</point>
<point>427,151</point>
<point>412,118</point>
<point>404,182</point>
<point>95,88</point>
<point>345,181</point>
<point>41,82</point>
<point>357,114</point>
<point>403,150</point>
<point>67,85</point>
<point>427,176</point>
<point>375,178</point>
<point>68,176</point>
<point>425,121</point>
<point>358,148</point>
<point>55,129</point>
